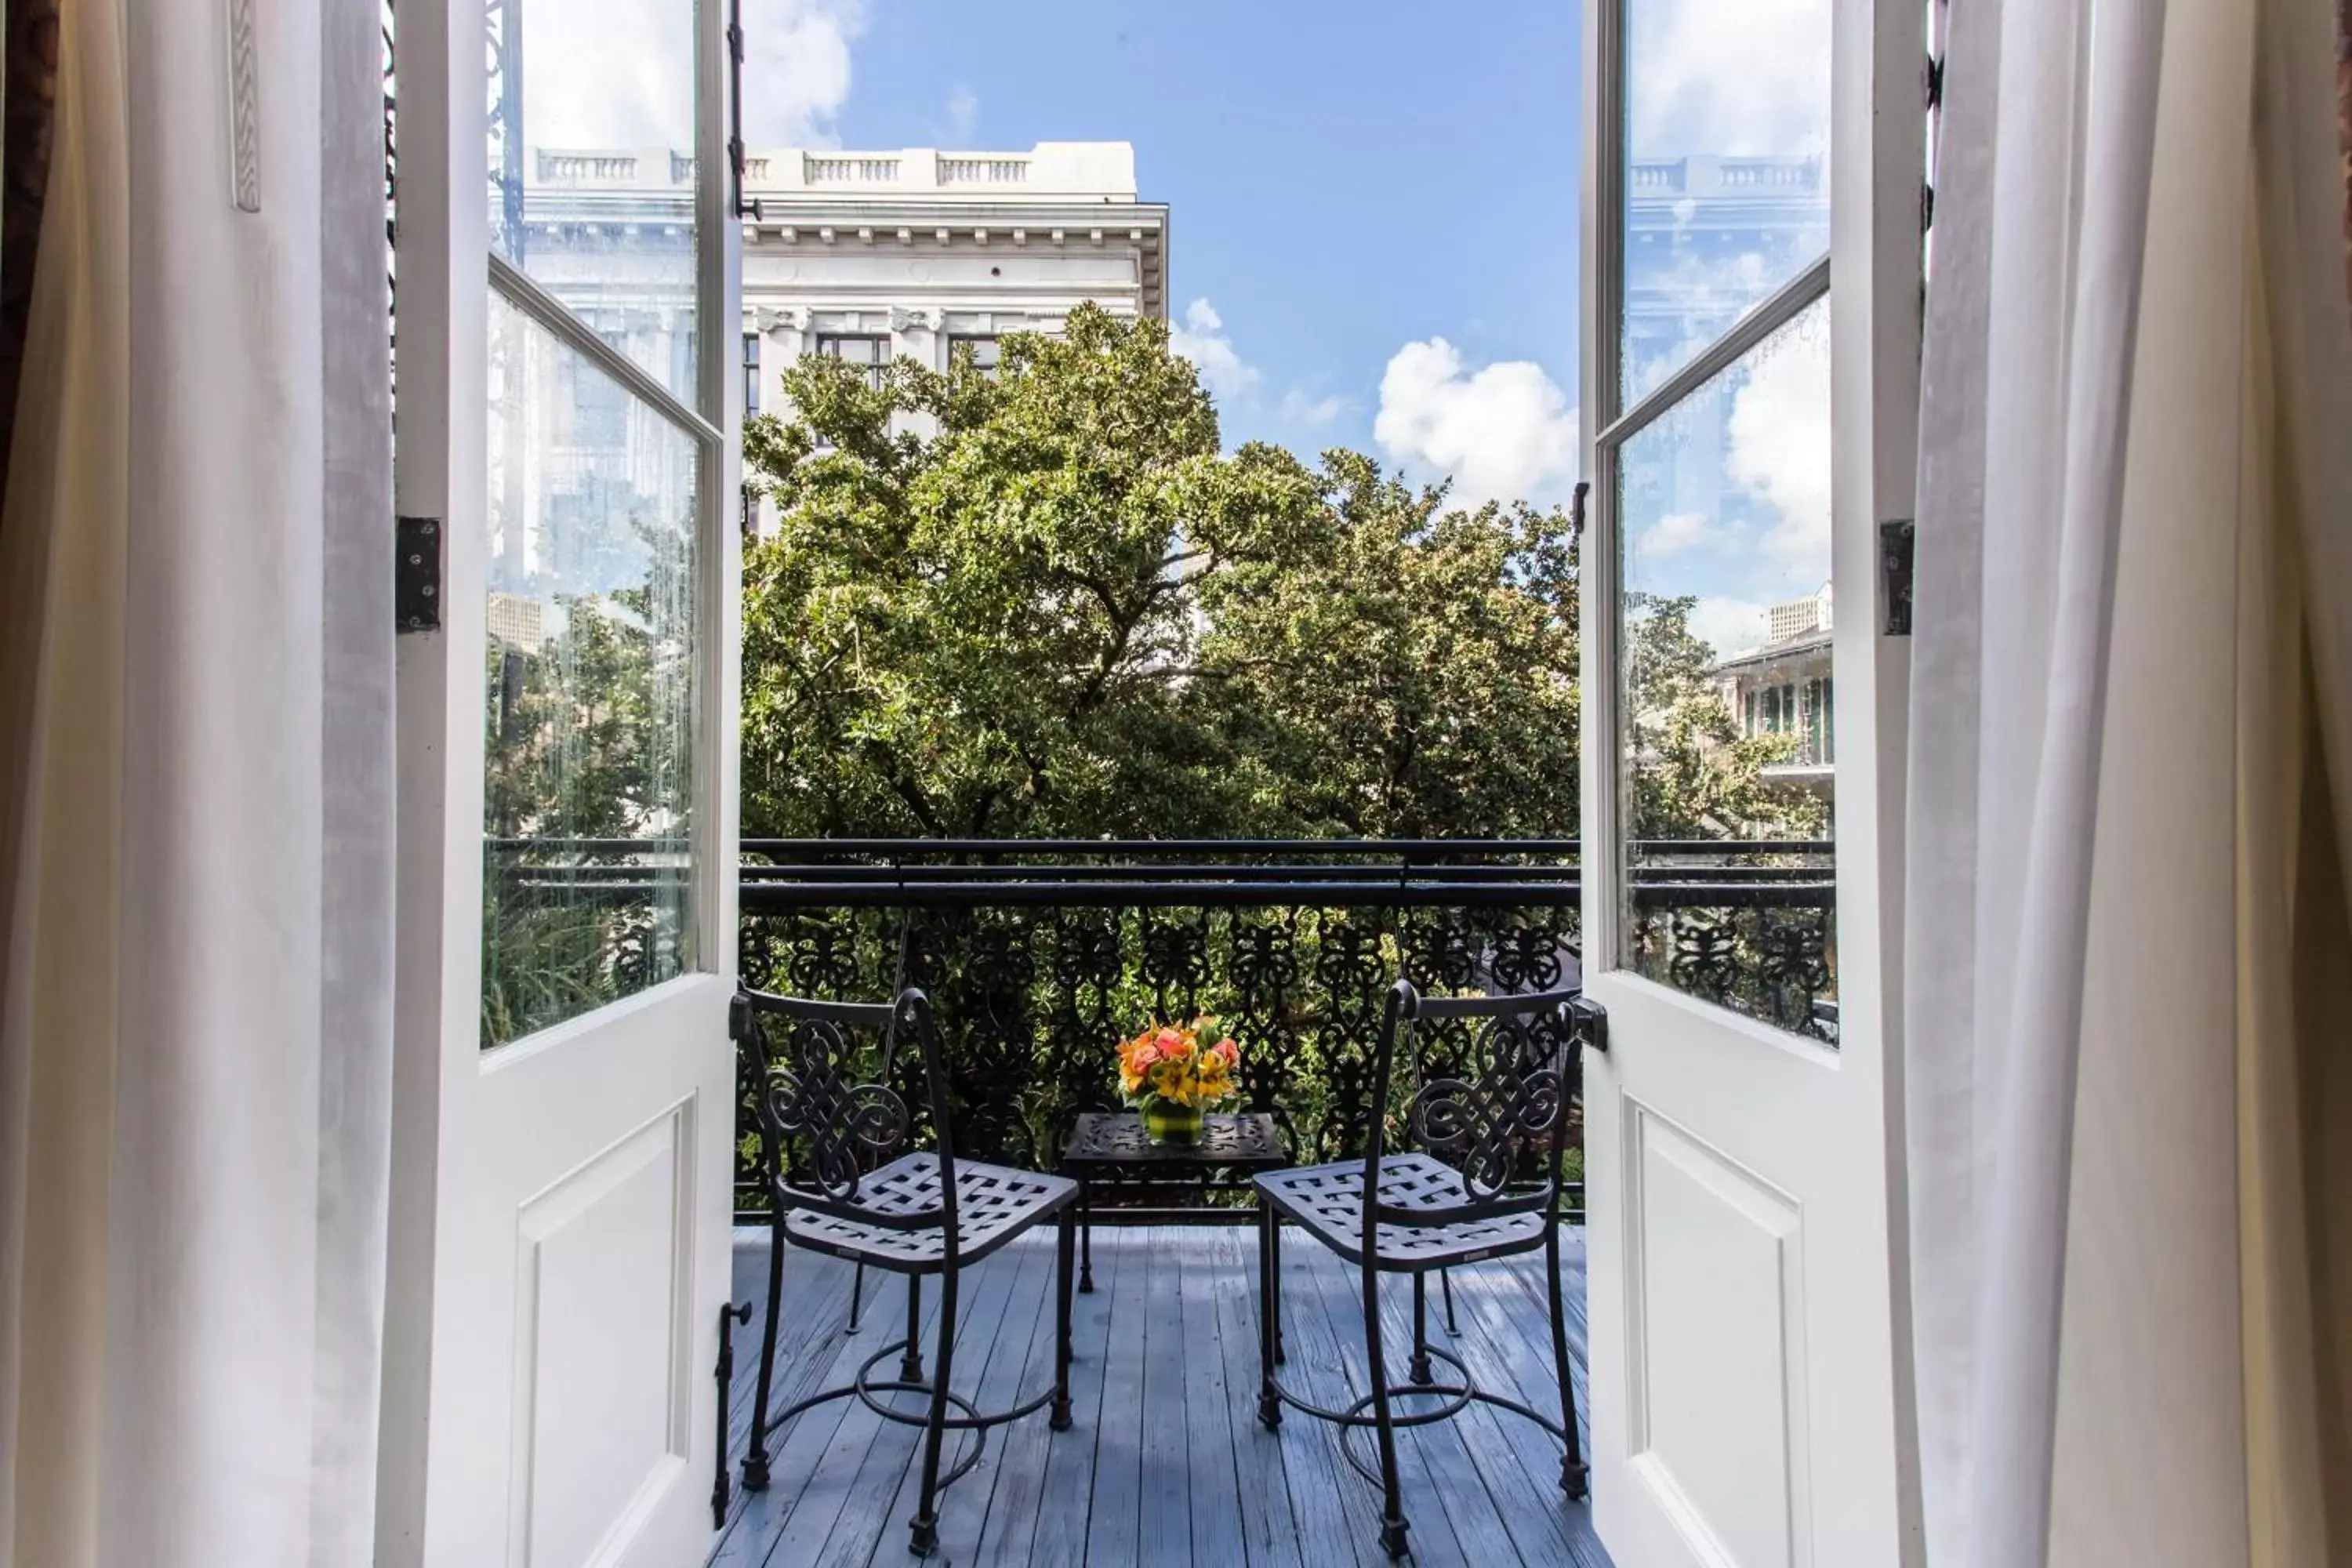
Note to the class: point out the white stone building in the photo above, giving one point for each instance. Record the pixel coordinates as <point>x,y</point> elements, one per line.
<point>871,256</point>
<point>864,256</point>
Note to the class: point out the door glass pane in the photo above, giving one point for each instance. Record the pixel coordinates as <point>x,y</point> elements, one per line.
<point>593,170</point>
<point>1725,509</point>
<point>1727,176</point>
<point>590,686</point>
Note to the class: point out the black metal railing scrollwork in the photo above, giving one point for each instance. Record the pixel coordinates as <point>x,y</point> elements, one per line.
<point>1039,955</point>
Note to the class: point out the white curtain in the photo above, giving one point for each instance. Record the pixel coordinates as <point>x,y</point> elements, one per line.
<point>2128,492</point>
<point>196,1032</point>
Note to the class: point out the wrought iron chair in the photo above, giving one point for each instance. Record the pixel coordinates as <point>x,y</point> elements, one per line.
<point>1458,1200</point>
<point>843,1182</point>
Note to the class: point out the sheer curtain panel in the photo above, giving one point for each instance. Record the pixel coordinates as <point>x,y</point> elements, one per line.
<point>2125,935</point>
<point>195,853</point>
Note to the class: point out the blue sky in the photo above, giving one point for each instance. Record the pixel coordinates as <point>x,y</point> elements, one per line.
<point>1346,179</point>
<point>1374,223</point>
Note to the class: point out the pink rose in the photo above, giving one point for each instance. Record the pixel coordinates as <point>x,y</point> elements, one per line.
<point>1144,1055</point>
<point>1230,1051</point>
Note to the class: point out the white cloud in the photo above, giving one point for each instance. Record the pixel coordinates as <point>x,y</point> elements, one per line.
<point>1202,339</point>
<point>963,115</point>
<point>1502,432</point>
<point>1728,625</point>
<point>796,69</point>
<point>620,73</point>
<point>1749,78</point>
<point>1677,532</point>
<point>1776,441</point>
<point>1299,407</point>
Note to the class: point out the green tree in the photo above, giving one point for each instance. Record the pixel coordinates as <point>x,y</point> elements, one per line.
<point>1408,670</point>
<point>1047,602</point>
<point>979,615</point>
<point>1694,775</point>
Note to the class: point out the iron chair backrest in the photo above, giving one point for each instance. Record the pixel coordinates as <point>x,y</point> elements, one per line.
<point>1521,1068</point>
<point>811,1102</point>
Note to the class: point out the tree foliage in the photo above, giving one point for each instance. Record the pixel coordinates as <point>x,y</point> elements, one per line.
<point>1047,602</point>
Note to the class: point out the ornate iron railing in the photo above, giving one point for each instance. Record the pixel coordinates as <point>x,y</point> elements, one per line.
<point>1040,955</point>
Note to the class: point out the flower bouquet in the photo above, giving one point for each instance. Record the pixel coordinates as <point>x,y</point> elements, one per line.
<point>1170,1076</point>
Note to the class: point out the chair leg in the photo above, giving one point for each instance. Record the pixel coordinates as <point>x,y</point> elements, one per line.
<point>924,1537</point>
<point>755,1454</point>
<point>1087,1238</point>
<point>1269,1403</point>
<point>1274,1276</point>
<point>1575,1479</point>
<point>1393,1520</point>
<point>910,1365</point>
<point>1420,1371</point>
<point>1065,1245</point>
<point>857,1295</point>
<point>1445,1284</point>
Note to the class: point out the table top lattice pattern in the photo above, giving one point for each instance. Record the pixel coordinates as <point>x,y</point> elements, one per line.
<point>1101,1141</point>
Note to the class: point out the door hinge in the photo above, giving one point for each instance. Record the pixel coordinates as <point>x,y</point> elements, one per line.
<point>1895,545</point>
<point>416,574</point>
<point>735,158</point>
<point>1591,1021</point>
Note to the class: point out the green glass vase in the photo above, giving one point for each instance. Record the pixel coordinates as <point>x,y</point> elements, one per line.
<point>1167,1122</point>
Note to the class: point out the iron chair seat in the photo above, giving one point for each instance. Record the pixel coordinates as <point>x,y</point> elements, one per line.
<point>834,1128</point>
<point>1328,1203</point>
<point>1504,1106</point>
<point>994,1205</point>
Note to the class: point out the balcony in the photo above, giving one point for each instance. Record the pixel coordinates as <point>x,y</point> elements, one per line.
<point>1165,1462</point>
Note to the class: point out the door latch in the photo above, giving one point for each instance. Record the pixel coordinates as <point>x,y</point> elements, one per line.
<point>1896,541</point>
<point>416,574</point>
<point>1591,1021</point>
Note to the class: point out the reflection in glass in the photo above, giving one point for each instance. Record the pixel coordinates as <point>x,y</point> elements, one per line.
<point>1726,177</point>
<point>591,168</point>
<point>1727,733</point>
<point>590,688</point>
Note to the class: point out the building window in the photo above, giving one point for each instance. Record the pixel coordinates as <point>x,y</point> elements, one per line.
<point>874,354</point>
<point>750,373</point>
<point>985,352</point>
<point>750,513</point>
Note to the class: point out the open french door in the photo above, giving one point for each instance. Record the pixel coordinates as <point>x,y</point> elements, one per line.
<point>567,737</point>
<point>1751,293</point>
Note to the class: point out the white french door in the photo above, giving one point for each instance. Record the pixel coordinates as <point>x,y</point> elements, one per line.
<point>565,1122</point>
<point>1751,266</point>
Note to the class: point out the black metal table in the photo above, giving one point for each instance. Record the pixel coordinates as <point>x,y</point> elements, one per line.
<point>1112,1146</point>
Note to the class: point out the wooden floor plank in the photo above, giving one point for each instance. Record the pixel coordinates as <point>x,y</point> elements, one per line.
<point>811,1355</point>
<point>1204,1473</point>
<point>1317,1370</point>
<point>1054,1532</point>
<point>1338,1288</point>
<point>1166,1461</point>
<point>1472,1492</point>
<point>1269,1527</point>
<point>816,1300</point>
<point>1010,1373</point>
<point>1114,1519</point>
<point>1507,1341</point>
<point>1163,1508</point>
<point>887,1492</point>
<point>827,1448</point>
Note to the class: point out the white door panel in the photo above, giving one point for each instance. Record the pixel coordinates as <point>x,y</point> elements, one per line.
<point>566,1113</point>
<point>1751,281</point>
